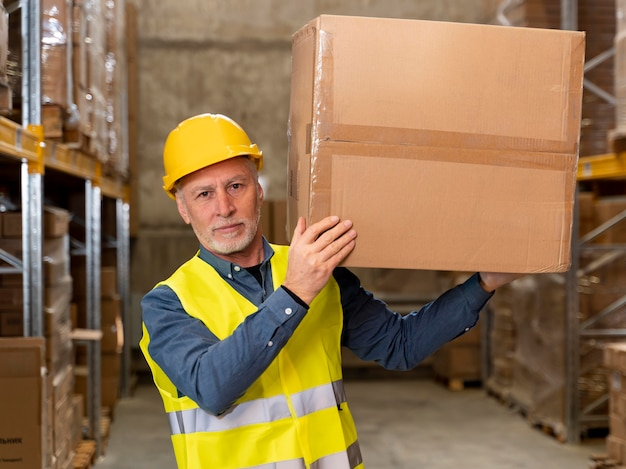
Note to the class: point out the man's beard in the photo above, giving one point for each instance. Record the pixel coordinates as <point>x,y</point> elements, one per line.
<point>239,243</point>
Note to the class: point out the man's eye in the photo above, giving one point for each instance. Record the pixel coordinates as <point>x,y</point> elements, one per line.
<point>203,194</point>
<point>236,187</point>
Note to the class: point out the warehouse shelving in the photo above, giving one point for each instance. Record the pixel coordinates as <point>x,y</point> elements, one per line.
<point>597,168</point>
<point>32,160</point>
<point>584,411</point>
<point>590,168</point>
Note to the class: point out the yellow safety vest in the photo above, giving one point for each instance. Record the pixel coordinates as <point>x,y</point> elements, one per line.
<point>294,416</point>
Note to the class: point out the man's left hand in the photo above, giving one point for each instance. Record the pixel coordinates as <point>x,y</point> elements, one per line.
<point>490,281</point>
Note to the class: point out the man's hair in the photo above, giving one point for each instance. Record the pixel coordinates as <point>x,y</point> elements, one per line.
<point>251,164</point>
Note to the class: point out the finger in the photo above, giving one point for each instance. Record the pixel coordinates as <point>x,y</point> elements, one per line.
<point>337,250</point>
<point>341,254</point>
<point>298,230</point>
<point>332,234</point>
<point>322,226</point>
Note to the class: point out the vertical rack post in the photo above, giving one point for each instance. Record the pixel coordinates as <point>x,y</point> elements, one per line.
<point>93,215</point>
<point>569,21</point>
<point>31,60</point>
<point>31,178</point>
<point>572,336</point>
<point>123,282</point>
<point>32,239</point>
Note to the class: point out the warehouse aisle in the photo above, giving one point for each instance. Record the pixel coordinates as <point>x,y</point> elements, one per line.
<point>403,424</point>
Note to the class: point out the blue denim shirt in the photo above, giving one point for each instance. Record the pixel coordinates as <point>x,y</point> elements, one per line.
<point>214,373</point>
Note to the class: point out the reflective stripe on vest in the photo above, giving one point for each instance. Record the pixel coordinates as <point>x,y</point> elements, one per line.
<point>350,458</point>
<point>258,411</point>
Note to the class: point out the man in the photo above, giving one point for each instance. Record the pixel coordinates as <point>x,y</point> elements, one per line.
<point>244,339</point>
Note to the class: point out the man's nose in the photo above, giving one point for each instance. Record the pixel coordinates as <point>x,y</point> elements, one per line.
<point>225,205</point>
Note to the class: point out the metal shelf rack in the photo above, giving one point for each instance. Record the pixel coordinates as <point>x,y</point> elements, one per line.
<point>33,155</point>
<point>577,330</point>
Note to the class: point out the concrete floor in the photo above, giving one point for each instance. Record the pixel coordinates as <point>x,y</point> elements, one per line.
<point>403,424</point>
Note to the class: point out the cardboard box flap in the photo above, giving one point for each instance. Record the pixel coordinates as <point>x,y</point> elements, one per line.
<point>481,103</point>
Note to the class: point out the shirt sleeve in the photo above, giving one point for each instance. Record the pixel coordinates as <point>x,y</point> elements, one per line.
<point>375,333</point>
<point>212,372</point>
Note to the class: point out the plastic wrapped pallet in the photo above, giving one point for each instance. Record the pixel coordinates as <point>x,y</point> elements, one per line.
<point>539,379</point>
<point>502,342</point>
<point>96,27</point>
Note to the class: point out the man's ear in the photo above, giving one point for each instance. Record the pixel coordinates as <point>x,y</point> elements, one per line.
<point>261,193</point>
<point>182,208</point>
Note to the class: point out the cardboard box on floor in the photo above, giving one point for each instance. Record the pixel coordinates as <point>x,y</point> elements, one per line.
<point>22,400</point>
<point>451,146</point>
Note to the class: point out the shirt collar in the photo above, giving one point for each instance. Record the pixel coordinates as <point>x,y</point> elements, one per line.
<point>225,268</point>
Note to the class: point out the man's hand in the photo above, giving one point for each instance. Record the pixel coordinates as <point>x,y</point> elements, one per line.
<point>315,252</point>
<point>490,281</point>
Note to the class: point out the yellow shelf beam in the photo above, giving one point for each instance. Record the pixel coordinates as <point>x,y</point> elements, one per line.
<point>609,166</point>
<point>19,143</point>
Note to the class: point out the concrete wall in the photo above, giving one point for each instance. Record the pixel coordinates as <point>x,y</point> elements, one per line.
<point>231,57</point>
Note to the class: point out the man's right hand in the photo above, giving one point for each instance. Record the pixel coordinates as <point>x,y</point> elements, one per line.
<point>315,252</point>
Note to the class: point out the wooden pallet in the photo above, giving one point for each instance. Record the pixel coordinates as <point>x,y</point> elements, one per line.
<point>458,383</point>
<point>85,454</point>
<point>500,393</point>
<point>604,462</point>
<point>555,430</point>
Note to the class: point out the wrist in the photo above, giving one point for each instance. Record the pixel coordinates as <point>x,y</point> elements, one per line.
<point>485,286</point>
<point>296,298</point>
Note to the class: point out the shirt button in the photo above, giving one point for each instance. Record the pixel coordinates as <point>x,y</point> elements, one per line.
<point>467,329</point>
<point>288,311</point>
<point>230,276</point>
<point>237,268</point>
<point>270,343</point>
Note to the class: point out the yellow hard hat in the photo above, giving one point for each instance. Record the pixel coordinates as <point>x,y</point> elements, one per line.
<point>201,141</point>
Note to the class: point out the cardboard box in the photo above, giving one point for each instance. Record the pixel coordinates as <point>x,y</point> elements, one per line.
<point>109,389</point>
<point>274,220</point>
<point>461,362</point>
<point>55,222</point>
<point>11,323</point>
<point>12,225</point>
<point>451,146</point>
<point>22,402</point>
<point>108,280</point>
<point>616,448</point>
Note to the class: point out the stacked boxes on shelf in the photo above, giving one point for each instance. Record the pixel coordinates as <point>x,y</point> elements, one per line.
<point>80,76</point>
<point>615,362</point>
<point>538,375</point>
<point>95,70</point>
<point>112,336</point>
<point>460,360</point>
<point>58,415</point>
<point>22,403</point>
<point>502,340</point>
<point>11,306</point>
<point>54,56</point>
<point>534,379</point>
